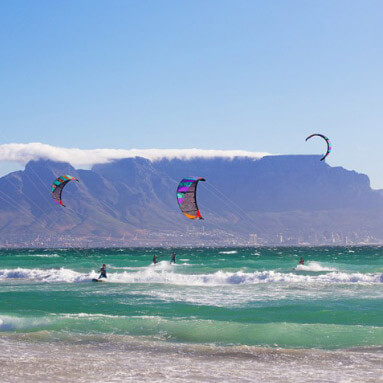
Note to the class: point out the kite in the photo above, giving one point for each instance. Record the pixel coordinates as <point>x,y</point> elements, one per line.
<point>327,141</point>
<point>186,197</point>
<point>58,186</point>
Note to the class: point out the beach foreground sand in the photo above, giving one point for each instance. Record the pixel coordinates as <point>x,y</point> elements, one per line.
<point>33,358</point>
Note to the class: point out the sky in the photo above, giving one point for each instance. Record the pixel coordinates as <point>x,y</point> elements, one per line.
<point>257,76</point>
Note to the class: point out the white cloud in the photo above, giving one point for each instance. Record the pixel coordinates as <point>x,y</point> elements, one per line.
<point>22,153</point>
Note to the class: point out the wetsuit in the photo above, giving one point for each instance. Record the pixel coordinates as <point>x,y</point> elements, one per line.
<point>173,260</point>
<point>103,273</point>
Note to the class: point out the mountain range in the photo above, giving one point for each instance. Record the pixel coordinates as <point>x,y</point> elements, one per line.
<point>275,200</point>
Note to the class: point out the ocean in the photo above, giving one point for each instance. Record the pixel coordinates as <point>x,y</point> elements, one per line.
<point>217,315</point>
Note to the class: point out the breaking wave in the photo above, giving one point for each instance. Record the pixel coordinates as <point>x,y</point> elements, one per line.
<point>47,275</point>
<point>314,266</point>
<point>278,334</point>
<point>12,323</point>
<point>165,275</point>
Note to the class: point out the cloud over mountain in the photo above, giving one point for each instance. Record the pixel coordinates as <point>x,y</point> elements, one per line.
<point>22,153</point>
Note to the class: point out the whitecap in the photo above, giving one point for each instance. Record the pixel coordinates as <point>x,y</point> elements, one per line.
<point>314,266</point>
<point>47,275</point>
<point>164,273</point>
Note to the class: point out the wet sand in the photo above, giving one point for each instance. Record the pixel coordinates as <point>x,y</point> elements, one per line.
<point>124,359</point>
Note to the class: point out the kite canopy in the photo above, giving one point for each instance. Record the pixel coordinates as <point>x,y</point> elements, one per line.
<point>58,186</point>
<point>327,142</point>
<point>186,197</point>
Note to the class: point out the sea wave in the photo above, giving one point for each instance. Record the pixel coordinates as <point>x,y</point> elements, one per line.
<point>164,274</point>
<point>12,323</point>
<point>47,275</point>
<point>181,329</point>
<point>314,266</point>
<point>37,255</point>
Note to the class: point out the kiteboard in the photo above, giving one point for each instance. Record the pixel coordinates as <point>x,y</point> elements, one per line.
<point>97,280</point>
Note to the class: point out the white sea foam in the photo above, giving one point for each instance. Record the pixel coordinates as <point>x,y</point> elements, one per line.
<point>163,265</point>
<point>164,273</point>
<point>314,266</point>
<point>45,255</point>
<point>47,275</point>
<point>229,252</point>
<point>150,275</point>
<point>237,278</point>
<point>124,268</point>
<point>87,315</point>
<point>37,255</point>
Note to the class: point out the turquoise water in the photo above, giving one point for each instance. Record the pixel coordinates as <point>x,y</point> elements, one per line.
<point>223,297</point>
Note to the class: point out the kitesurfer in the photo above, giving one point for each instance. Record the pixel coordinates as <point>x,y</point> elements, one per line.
<point>173,260</point>
<point>155,260</point>
<point>301,261</point>
<point>103,272</point>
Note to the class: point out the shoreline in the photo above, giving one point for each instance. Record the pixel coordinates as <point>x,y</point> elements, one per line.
<point>122,358</point>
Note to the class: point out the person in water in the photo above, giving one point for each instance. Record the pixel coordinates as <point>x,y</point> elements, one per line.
<point>155,260</point>
<point>103,272</point>
<point>301,261</point>
<point>173,260</point>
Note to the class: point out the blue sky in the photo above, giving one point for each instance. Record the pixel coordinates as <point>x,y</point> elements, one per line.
<point>250,75</point>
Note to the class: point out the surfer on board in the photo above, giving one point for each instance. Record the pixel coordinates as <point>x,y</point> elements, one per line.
<point>173,259</point>
<point>301,261</point>
<point>155,260</point>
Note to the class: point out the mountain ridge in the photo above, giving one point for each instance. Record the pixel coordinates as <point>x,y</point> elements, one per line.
<point>275,200</point>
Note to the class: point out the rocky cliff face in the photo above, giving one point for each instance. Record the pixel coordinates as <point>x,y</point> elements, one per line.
<point>274,200</point>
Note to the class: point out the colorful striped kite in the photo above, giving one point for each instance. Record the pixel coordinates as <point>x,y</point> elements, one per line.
<point>58,186</point>
<point>186,197</point>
